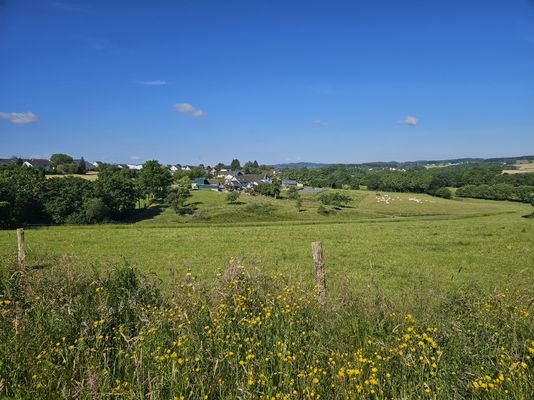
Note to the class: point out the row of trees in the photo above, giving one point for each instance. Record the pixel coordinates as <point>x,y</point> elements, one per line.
<point>416,179</point>
<point>27,197</point>
<point>499,191</point>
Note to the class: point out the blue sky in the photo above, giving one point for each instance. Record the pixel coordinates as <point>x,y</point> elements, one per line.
<point>276,81</point>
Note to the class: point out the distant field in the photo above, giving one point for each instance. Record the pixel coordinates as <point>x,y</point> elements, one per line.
<point>410,241</point>
<point>521,169</point>
<point>90,176</point>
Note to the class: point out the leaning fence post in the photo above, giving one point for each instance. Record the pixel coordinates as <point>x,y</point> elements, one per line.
<point>319,269</point>
<point>22,254</point>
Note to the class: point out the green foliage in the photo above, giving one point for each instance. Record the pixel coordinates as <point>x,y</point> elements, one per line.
<point>95,210</point>
<point>235,164</point>
<point>499,191</point>
<point>81,166</point>
<point>293,193</point>
<point>65,198</point>
<point>249,335</point>
<point>444,193</point>
<point>232,197</point>
<point>177,198</point>
<point>117,189</point>
<point>23,189</point>
<point>268,189</point>
<point>61,162</point>
<point>251,167</point>
<point>334,198</point>
<point>154,181</point>
<point>298,204</point>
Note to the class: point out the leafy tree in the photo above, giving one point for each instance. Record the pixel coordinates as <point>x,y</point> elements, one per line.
<point>298,204</point>
<point>444,193</point>
<point>61,162</point>
<point>81,166</point>
<point>235,164</point>
<point>268,189</point>
<point>5,214</point>
<point>293,193</point>
<point>22,188</point>
<point>64,198</point>
<point>117,189</point>
<point>154,181</point>
<point>177,198</point>
<point>232,197</point>
<point>334,198</point>
<point>95,210</point>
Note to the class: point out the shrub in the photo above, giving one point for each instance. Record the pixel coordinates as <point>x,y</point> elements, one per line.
<point>443,193</point>
<point>95,210</point>
<point>334,198</point>
<point>232,197</point>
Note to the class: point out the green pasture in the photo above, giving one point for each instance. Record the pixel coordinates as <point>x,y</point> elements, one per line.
<point>396,247</point>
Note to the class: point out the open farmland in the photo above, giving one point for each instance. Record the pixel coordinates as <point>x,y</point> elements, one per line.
<point>396,244</point>
<point>426,298</point>
<point>523,168</point>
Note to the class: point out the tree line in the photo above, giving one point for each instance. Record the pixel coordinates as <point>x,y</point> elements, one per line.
<point>28,197</point>
<point>417,179</point>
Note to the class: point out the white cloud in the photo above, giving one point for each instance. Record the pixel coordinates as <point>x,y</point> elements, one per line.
<point>135,158</point>
<point>409,120</point>
<point>187,108</point>
<point>19,118</point>
<point>320,123</point>
<point>154,83</point>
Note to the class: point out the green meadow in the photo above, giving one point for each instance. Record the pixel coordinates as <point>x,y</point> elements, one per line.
<point>393,241</point>
<point>426,299</point>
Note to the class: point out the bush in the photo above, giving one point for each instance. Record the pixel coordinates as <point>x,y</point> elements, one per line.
<point>95,210</point>
<point>443,193</point>
<point>334,198</point>
<point>232,197</point>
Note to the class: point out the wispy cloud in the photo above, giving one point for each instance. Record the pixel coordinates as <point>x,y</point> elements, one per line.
<point>154,83</point>
<point>409,120</point>
<point>19,118</point>
<point>320,123</point>
<point>187,108</point>
<point>135,158</point>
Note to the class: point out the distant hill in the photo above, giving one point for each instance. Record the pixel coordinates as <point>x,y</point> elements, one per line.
<point>309,165</point>
<point>454,161</point>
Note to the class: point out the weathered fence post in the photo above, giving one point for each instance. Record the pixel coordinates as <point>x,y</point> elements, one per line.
<point>22,254</point>
<point>319,269</point>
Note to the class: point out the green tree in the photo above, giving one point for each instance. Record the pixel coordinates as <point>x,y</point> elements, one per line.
<point>293,193</point>
<point>81,166</point>
<point>60,162</point>
<point>95,210</point>
<point>443,192</point>
<point>154,181</point>
<point>298,203</point>
<point>235,164</point>
<point>22,188</point>
<point>64,198</point>
<point>117,189</point>
<point>232,197</point>
<point>334,198</point>
<point>177,198</point>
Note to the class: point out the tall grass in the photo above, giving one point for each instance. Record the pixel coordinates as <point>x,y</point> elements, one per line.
<point>251,336</point>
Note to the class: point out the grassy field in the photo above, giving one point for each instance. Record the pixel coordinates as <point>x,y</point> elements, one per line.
<point>521,169</point>
<point>90,176</point>
<point>426,299</point>
<point>396,246</point>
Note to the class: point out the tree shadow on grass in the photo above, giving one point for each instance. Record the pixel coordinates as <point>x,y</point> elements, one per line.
<point>142,214</point>
<point>236,203</point>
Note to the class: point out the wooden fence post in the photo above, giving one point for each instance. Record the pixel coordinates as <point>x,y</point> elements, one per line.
<point>319,269</point>
<point>22,254</point>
